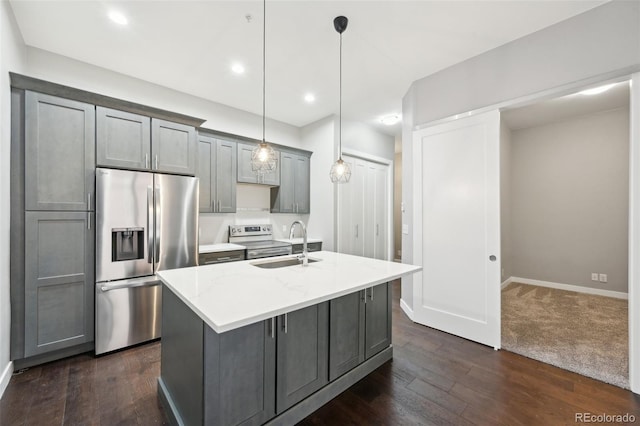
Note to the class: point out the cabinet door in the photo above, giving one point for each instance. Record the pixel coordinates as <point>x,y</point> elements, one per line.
<point>378,319</point>
<point>204,171</point>
<point>123,139</point>
<point>246,174</point>
<point>59,280</point>
<point>225,176</point>
<point>302,182</point>
<point>346,333</point>
<point>302,354</point>
<point>239,383</point>
<point>173,147</point>
<point>286,192</point>
<point>59,153</point>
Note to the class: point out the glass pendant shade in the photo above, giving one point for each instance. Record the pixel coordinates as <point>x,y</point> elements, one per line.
<point>340,172</point>
<point>263,159</point>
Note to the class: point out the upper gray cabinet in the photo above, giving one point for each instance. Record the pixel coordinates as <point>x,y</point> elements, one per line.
<point>216,169</point>
<point>247,175</point>
<point>294,192</point>
<point>123,139</point>
<point>59,153</point>
<point>136,142</point>
<point>173,147</point>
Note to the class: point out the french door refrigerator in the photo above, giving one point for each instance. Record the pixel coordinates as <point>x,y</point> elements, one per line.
<point>145,222</point>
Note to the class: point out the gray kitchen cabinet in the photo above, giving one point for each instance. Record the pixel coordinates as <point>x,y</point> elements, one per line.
<point>59,153</point>
<point>293,194</point>
<point>241,389</point>
<point>359,327</point>
<point>173,147</point>
<point>302,354</point>
<point>123,139</point>
<point>246,174</point>
<point>216,169</point>
<point>220,257</point>
<point>377,319</point>
<point>59,280</point>
<point>297,248</point>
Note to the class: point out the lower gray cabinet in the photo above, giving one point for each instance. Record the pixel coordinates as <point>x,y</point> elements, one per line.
<point>59,280</point>
<point>302,354</point>
<point>359,327</point>
<point>241,389</point>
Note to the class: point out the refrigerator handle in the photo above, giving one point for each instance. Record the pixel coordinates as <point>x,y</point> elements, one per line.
<point>158,222</point>
<point>149,230</point>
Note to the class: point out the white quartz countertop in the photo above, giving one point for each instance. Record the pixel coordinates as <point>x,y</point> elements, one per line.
<point>231,295</point>
<point>212,248</point>
<point>299,240</point>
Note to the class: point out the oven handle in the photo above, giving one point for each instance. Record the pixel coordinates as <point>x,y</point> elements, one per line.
<point>257,254</point>
<point>130,284</point>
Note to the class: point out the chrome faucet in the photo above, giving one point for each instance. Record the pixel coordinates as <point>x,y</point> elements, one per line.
<point>305,254</point>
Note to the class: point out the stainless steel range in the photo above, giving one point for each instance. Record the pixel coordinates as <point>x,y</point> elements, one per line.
<point>258,239</point>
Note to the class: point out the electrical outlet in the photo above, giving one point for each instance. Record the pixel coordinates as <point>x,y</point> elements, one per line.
<point>502,272</point>
<point>594,276</point>
<point>603,278</point>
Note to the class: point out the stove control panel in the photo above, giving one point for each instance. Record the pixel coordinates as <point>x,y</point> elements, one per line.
<point>250,230</point>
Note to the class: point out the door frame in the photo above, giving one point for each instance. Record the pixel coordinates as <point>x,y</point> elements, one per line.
<point>634,188</point>
<point>386,162</point>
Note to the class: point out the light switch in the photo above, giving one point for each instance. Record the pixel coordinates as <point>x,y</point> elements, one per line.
<point>405,229</point>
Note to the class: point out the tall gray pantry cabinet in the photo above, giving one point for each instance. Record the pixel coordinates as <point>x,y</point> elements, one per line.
<point>53,156</point>
<point>58,134</point>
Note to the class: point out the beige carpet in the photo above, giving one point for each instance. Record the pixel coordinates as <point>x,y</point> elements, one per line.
<point>575,331</point>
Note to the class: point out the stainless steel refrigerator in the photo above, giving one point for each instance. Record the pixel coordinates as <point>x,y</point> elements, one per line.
<point>145,222</point>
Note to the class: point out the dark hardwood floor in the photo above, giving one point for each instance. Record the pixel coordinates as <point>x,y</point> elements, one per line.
<point>434,378</point>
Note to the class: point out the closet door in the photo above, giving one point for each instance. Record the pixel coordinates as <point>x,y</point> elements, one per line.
<point>381,212</point>
<point>369,209</point>
<point>358,196</point>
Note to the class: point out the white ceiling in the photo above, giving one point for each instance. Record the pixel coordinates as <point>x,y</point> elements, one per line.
<point>567,107</point>
<point>190,45</point>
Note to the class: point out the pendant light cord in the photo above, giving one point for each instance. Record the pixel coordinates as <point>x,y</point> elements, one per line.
<point>264,67</point>
<point>340,102</point>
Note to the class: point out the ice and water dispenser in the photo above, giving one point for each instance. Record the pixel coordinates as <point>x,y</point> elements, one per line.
<point>127,244</point>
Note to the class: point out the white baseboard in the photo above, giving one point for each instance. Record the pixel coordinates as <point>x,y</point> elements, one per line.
<point>406,309</point>
<point>6,376</point>
<point>568,287</point>
<point>506,282</point>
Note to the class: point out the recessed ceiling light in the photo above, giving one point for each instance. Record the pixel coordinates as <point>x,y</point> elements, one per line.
<point>237,68</point>
<point>118,18</point>
<point>390,120</point>
<point>309,98</point>
<point>597,90</point>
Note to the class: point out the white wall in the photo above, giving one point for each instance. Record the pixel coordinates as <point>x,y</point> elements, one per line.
<point>570,201</point>
<point>360,137</point>
<point>603,42</point>
<point>12,58</point>
<point>505,201</point>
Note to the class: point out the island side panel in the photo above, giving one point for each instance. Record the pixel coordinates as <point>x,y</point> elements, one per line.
<point>240,368</point>
<point>181,366</point>
<point>378,319</point>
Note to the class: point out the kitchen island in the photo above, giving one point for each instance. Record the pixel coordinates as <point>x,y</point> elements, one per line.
<point>244,344</point>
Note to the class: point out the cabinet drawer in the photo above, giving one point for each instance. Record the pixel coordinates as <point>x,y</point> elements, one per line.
<point>220,257</point>
<point>297,248</point>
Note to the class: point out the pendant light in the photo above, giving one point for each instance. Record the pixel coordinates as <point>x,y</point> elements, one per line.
<point>263,157</point>
<point>340,171</point>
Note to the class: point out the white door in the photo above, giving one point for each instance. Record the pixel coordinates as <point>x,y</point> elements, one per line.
<point>381,228</point>
<point>457,227</point>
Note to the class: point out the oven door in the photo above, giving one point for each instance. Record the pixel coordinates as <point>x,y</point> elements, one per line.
<point>268,252</point>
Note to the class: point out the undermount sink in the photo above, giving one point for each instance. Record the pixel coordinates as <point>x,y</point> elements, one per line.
<point>281,263</point>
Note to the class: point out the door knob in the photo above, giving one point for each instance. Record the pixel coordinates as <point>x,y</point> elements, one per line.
<point>492,258</point>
